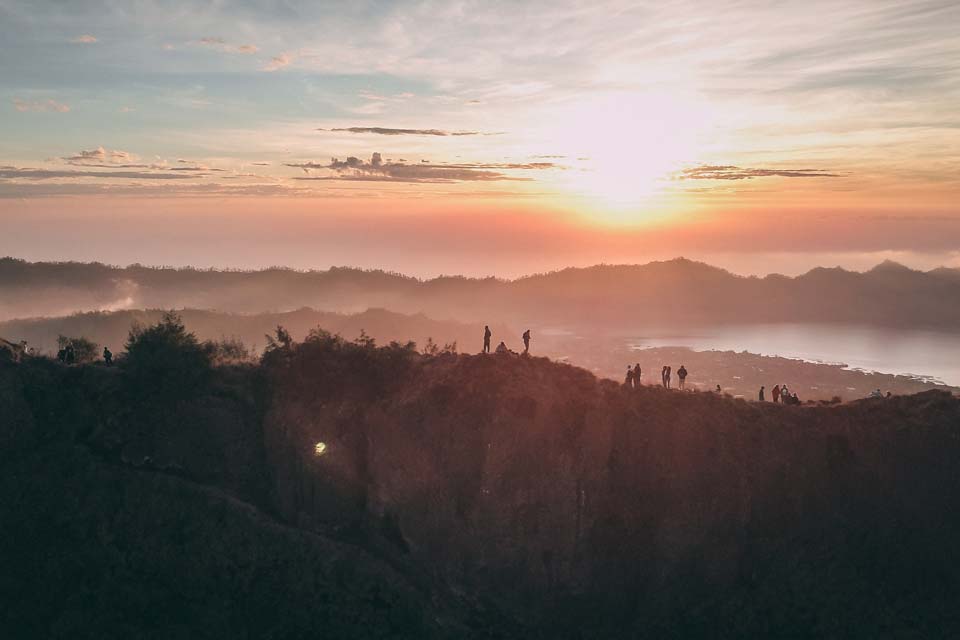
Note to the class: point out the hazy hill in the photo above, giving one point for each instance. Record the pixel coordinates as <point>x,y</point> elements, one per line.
<point>609,297</point>
<point>467,496</point>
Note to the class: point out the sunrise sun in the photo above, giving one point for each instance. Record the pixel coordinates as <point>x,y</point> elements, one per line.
<point>623,147</point>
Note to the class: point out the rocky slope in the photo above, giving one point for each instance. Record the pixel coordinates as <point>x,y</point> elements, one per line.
<point>468,496</point>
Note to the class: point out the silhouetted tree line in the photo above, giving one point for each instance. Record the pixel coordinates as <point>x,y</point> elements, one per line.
<point>164,361</point>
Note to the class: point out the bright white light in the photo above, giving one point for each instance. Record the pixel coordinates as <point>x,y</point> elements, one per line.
<point>320,448</point>
<point>626,145</point>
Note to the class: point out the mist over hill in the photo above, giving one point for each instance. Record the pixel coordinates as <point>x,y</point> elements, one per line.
<point>461,496</point>
<point>608,297</point>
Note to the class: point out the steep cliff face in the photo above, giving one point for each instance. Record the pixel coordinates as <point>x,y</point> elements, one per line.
<point>478,495</point>
<point>571,501</point>
<point>119,522</point>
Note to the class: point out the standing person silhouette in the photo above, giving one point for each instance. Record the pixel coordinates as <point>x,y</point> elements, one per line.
<point>663,376</point>
<point>526,341</point>
<point>486,338</point>
<point>669,375</point>
<point>107,356</point>
<point>682,376</point>
<point>628,381</point>
<point>762,399</point>
<point>636,376</point>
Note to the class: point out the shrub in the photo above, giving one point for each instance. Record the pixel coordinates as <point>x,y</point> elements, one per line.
<point>281,341</point>
<point>278,349</point>
<point>433,349</point>
<point>230,351</point>
<point>164,360</point>
<point>327,364</point>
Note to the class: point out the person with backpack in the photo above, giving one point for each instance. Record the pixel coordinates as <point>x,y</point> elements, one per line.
<point>682,376</point>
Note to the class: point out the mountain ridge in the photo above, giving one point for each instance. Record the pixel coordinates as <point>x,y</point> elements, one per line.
<point>7,264</point>
<point>604,297</point>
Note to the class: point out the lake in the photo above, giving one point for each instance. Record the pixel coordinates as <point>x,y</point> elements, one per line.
<point>924,354</point>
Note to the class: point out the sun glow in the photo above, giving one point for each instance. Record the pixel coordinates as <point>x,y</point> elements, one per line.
<point>624,147</point>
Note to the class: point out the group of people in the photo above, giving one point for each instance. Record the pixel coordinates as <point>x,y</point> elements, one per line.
<point>68,355</point>
<point>502,347</point>
<point>633,376</point>
<point>780,394</point>
<point>666,376</point>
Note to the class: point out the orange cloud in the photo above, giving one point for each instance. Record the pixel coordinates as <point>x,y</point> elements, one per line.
<point>40,105</point>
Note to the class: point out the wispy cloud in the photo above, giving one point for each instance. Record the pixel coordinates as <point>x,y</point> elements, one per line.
<point>227,47</point>
<point>376,170</point>
<point>84,39</point>
<point>731,172</point>
<point>40,105</point>
<point>278,62</point>
<point>377,103</point>
<point>100,157</point>
<point>158,188</point>
<point>8,172</point>
<point>189,165</point>
<point>388,131</point>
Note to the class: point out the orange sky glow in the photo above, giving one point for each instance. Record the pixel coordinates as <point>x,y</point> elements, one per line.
<point>462,138</point>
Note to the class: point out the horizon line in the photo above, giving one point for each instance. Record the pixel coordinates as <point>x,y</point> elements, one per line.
<point>444,276</point>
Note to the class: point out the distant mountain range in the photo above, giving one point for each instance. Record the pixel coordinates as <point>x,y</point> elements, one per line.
<point>607,297</point>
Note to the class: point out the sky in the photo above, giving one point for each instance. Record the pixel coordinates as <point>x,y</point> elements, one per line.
<point>483,137</point>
